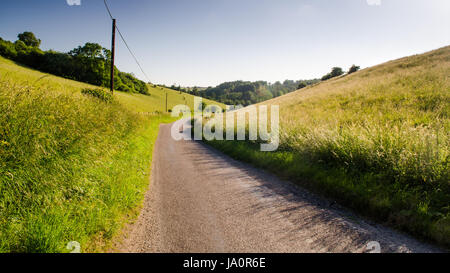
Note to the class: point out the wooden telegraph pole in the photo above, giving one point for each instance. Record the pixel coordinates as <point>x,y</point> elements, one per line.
<point>166,102</point>
<point>113,49</point>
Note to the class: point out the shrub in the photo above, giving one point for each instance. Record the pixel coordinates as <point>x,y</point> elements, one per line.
<point>335,72</point>
<point>7,49</point>
<point>353,69</point>
<point>301,85</point>
<point>99,93</point>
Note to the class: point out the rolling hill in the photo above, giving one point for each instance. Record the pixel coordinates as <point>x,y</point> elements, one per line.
<point>72,167</point>
<point>376,141</point>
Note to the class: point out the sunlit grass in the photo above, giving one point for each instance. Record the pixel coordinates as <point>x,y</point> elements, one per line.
<point>377,140</point>
<point>72,167</point>
<point>156,102</point>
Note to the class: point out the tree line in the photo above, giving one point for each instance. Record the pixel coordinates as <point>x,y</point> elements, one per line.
<point>90,63</point>
<point>337,71</point>
<point>247,93</point>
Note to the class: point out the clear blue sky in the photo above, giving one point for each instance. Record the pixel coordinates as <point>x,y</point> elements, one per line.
<point>206,42</point>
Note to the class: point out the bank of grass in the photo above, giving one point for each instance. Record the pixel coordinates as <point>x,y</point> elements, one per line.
<point>72,167</point>
<point>376,141</point>
<point>155,103</point>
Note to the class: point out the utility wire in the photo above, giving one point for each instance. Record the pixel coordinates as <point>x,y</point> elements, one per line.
<point>107,8</point>
<point>132,54</point>
<point>125,42</point>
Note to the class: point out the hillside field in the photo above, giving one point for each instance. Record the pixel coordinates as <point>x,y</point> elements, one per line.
<point>376,141</point>
<point>72,167</point>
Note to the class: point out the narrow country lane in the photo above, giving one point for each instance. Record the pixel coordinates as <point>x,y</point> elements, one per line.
<point>203,201</point>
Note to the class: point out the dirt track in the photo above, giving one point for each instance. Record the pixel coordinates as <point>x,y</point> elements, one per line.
<point>202,201</point>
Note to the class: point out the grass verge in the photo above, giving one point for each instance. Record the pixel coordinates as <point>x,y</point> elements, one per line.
<point>376,140</point>
<point>72,167</point>
<point>369,194</point>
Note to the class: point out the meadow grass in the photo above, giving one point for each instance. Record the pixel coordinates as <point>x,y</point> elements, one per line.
<point>155,103</point>
<point>72,167</point>
<point>376,141</point>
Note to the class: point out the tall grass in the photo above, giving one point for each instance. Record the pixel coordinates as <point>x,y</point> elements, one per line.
<point>155,103</point>
<point>377,140</point>
<point>72,167</point>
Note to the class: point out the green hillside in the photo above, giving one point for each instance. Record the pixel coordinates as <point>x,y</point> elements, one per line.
<point>376,140</point>
<point>72,167</point>
<point>135,102</point>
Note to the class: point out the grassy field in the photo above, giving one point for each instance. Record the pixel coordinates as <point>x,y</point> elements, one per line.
<point>72,167</point>
<point>376,140</point>
<point>156,103</point>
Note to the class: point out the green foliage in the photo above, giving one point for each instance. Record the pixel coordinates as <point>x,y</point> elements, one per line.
<point>246,93</point>
<point>89,63</point>
<point>101,94</point>
<point>29,39</point>
<point>301,85</point>
<point>353,69</point>
<point>335,72</point>
<point>128,83</point>
<point>7,49</point>
<point>90,50</point>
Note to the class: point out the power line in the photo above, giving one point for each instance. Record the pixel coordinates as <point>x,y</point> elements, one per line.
<point>125,42</point>
<point>107,8</point>
<point>132,54</point>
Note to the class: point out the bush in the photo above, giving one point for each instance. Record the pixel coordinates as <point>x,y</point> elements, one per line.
<point>7,49</point>
<point>99,93</point>
<point>335,72</point>
<point>354,69</point>
<point>301,85</point>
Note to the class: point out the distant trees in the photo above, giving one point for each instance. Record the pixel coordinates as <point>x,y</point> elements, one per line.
<point>353,69</point>
<point>89,63</point>
<point>304,83</point>
<point>301,85</point>
<point>195,91</point>
<point>246,93</point>
<point>335,72</point>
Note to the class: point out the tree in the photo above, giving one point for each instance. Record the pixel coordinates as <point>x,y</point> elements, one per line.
<point>29,39</point>
<point>21,46</point>
<point>301,85</point>
<point>353,69</point>
<point>91,50</point>
<point>335,72</point>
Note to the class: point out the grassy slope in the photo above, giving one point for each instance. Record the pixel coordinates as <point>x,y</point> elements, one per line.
<point>135,102</point>
<point>72,168</point>
<point>157,101</point>
<point>377,141</point>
